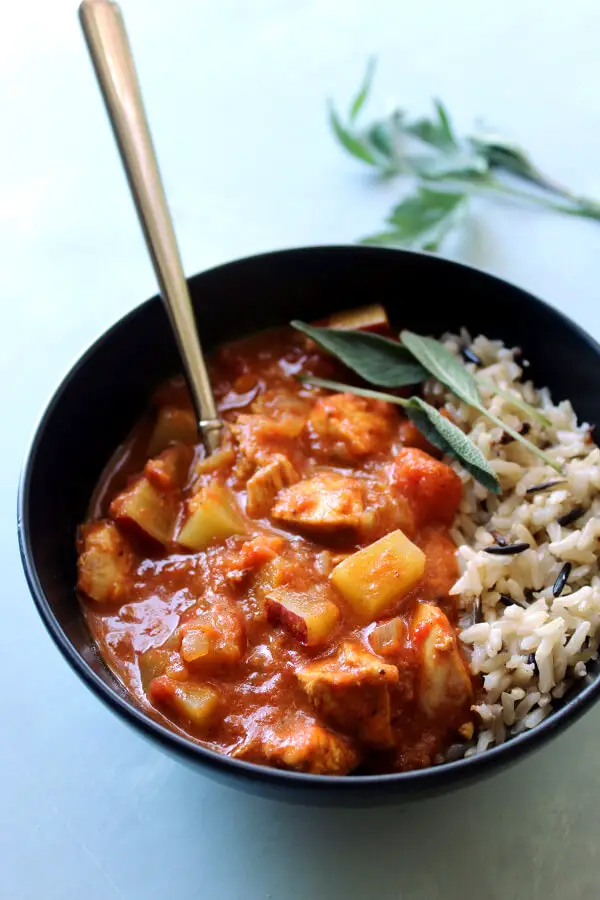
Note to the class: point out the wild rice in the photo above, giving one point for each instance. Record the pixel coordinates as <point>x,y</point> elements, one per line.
<point>529,585</point>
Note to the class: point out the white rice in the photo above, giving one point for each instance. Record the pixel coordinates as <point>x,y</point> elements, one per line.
<point>529,652</point>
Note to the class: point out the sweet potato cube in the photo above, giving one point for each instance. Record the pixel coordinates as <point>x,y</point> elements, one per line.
<point>173,425</point>
<point>374,578</point>
<point>363,318</point>
<point>213,518</point>
<point>308,615</point>
<point>443,681</point>
<point>148,508</point>
<point>197,703</point>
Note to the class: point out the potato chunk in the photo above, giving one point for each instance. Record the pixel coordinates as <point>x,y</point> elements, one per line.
<point>105,563</point>
<point>149,509</point>
<point>214,517</point>
<point>346,427</point>
<point>300,744</point>
<point>198,703</point>
<point>308,615</point>
<point>374,578</point>
<point>265,484</point>
<point>215,637</point>
<point>173,425</point>
<point>443,682</point>
<point>352,690</point>
<point>327,502</point>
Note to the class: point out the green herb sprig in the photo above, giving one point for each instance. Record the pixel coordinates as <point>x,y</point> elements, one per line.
<point>447,169</point>
<point>387,363</point>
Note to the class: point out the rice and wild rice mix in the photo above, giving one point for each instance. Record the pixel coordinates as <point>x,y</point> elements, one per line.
<point>529,588</point>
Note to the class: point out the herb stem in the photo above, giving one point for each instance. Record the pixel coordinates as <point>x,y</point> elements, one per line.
<point>576,206</point>
<point>519,437</point>
<point>350,389</point>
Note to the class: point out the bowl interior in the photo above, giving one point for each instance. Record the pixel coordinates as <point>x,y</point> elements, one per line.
<point>104,394</point>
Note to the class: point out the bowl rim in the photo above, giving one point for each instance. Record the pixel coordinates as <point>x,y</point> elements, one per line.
<point>411,781</point>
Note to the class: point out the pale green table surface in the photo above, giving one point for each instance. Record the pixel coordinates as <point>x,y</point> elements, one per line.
<point>236,96</point>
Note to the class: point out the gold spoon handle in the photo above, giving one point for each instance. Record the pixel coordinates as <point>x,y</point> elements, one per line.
<point>109,49</point>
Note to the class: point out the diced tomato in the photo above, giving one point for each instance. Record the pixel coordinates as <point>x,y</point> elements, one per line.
<point>432,488</point>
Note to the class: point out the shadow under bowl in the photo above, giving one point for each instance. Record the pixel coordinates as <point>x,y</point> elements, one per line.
<point>107,390</point>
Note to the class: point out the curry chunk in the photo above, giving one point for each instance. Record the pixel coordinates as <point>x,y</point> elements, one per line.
<point>173,425</point>
<point>432,488</point>
<point>141,504</point>
<point>196,703</point>
<point>361,318</point>
<point>263,487</point>
<point>345,427</point>
<point>374,578</point>
<point>352,691</point>
<point>443,682</point>
<point>309,615</point>
<point>213,516</point>
<point>169,470</point>
<point>105,563</point>
<point>216,637</point>
<point>327,502</point>
<point>302,745</point>
<point>259,435</point>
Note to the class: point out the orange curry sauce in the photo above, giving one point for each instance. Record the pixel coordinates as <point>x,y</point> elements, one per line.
<point>247,645</point>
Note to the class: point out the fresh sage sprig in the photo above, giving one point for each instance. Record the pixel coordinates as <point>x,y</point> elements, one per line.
<point>387,363</point>
<point>441,432</point>
<point>377,359</point>
<point>449,370</point>
<point>429,151</point>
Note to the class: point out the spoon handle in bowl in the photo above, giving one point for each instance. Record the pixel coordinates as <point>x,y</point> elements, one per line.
<point>109,49</point>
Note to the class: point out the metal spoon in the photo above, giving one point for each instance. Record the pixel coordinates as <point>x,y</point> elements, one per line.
<point>110,51</point>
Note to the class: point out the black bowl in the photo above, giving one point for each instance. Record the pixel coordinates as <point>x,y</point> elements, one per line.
<point>105,392</point>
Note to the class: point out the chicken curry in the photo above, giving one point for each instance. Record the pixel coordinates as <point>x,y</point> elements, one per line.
<point>284,601</point>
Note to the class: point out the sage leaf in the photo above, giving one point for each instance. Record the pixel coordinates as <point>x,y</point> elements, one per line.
<point>422,220</point>
<point>354,145</point>
<point>450,371</point>
<point>376,359</point>
<point>448,438</point>
<point>444,366</point>
<point>363,93</point>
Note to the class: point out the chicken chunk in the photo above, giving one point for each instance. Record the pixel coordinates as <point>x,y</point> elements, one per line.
<point>105,563</point>
<point>345,427</point>
<point>302,745</point>
<point>352,691</point>
<point>259,436</point>
<point>444,683</point>
<point>327,502</point>
<point>265,484</point>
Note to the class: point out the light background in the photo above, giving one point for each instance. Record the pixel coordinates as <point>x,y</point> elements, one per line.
<point>236,94</point>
